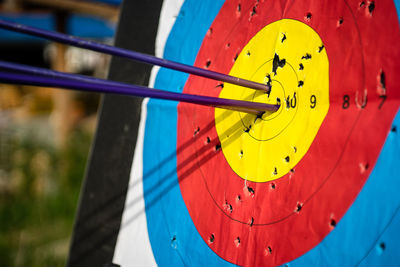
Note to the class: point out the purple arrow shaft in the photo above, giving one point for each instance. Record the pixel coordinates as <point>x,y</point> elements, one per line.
<point>14,67</point>
<point>107,49</point>
<point>135,90</point>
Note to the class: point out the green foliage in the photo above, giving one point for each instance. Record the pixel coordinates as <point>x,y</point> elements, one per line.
<point>38,203</point>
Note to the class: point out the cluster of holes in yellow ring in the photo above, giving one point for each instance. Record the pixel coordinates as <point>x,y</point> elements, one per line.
<point>281,63</point>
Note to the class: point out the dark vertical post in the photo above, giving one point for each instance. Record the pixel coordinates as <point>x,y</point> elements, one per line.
<point>104,190</point>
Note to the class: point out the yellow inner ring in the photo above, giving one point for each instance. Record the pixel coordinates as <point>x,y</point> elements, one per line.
<point>290,56</point>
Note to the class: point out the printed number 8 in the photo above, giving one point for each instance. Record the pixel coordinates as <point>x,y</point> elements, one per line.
<point>346,101</point>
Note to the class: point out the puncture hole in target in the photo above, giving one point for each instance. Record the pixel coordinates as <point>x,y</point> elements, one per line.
<point>363,167</point>
<point>382,80</point>
<point>218,147</point>
<point>307,56</point>
<point>277,62</point>
<point>173,242</point>
<point>237,241</point>
<point>308,16</point>
<point>340,22</point>
<point>371,7</point>
<point>196,131</point>
<point>211,239</point>
<point>228,207</point>
<point>220,85</point>
<point>283,37</point>
<point>251,221</point>
<point>253,11</point>
<point>250,190</point>
<point>209,32</point>
<point>268,251</point>
<point>299,207</point>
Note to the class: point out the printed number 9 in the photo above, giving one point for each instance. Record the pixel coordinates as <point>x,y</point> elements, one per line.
<point>313,101</point>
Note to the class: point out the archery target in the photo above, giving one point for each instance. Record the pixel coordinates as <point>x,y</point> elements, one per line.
<point>324,202</point>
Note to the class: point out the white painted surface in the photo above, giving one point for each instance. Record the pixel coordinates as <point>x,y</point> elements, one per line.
<point>133,245</point>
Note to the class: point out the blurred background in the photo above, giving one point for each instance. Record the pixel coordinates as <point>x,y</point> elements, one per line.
<point>46,133</point>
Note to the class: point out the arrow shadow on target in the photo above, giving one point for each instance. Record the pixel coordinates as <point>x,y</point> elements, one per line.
<point>167,182</point>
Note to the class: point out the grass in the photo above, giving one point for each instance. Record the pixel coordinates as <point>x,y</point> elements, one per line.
<point>39,199</point>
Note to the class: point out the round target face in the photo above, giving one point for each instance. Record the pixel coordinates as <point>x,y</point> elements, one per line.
<point>273,186</point>
<point>224,187</point>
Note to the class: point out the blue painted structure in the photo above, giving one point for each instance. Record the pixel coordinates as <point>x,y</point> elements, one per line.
<point>78,25</point>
